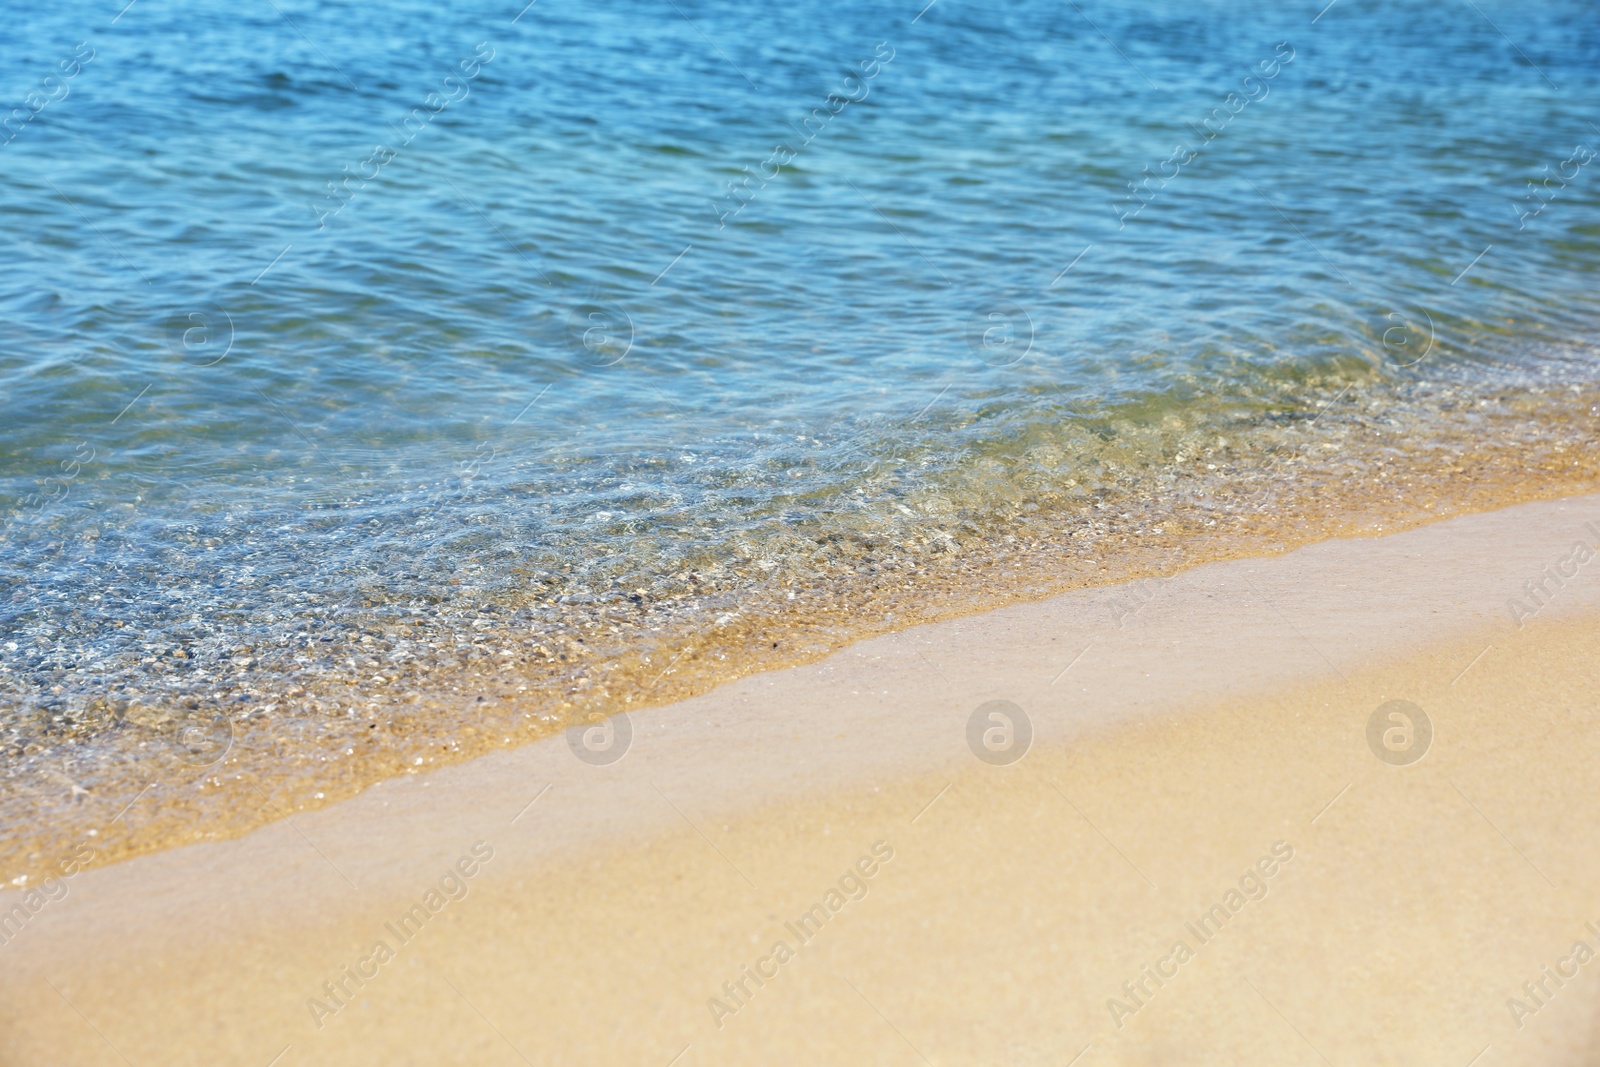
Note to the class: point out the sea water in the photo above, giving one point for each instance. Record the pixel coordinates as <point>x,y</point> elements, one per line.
<point>380,384</point>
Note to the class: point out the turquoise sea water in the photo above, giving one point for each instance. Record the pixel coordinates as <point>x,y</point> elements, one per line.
<point>324,319</point>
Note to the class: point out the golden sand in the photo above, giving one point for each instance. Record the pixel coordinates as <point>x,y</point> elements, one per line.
<point>1202,776</point>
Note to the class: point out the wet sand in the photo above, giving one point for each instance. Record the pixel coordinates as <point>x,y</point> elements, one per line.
<point>313,703</point>
<point>1200,774</point>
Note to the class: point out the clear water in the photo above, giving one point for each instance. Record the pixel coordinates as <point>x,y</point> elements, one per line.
<point>336,338</point>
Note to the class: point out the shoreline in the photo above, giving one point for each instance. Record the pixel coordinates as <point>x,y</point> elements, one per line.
<point>1171,718</point>
<point>495,697</point>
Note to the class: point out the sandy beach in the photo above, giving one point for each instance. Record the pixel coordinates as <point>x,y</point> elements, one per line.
<point>700,534</point>
<point>1206,853</point>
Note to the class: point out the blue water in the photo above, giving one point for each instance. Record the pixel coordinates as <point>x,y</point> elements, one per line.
<point>320,315</point>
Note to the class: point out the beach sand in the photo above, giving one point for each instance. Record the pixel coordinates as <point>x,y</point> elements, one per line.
<point>1199,742</point>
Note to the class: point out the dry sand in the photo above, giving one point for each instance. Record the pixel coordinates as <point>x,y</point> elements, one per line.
<point>1184,730</point>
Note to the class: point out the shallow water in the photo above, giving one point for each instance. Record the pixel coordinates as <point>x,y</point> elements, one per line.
<point>407,382</point>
